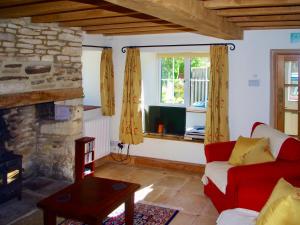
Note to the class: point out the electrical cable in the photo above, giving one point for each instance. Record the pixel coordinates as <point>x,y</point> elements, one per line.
<point>120,157</point>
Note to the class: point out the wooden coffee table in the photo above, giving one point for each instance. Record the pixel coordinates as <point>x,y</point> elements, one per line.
<point>90,201</point>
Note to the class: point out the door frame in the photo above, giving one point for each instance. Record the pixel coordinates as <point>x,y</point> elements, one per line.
<point>273,81</point>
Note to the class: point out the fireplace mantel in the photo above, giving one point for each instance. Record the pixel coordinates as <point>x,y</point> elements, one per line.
<point>36,97</point>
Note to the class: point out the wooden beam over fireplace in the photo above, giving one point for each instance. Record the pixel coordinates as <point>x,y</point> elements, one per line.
<point>36,97</point>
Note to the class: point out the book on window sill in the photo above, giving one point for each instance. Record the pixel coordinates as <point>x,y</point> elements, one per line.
<point>193,137</point>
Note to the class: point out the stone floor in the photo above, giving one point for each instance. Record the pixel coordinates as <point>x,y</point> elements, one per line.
<point>15,212</point>
<point>170,188</point>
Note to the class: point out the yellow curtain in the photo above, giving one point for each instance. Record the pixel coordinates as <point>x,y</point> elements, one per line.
<point>131,118</point>
<point>107,90</point>
<point>216,128</point>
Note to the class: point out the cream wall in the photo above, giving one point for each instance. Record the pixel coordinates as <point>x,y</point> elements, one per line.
<point>250,60</point>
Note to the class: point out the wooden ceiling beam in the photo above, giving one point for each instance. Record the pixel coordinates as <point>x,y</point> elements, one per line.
<point>188,13</point>
<point>259,11</point>
<point>272,28</point>
<point>10,3</point>
<point>269,24</point>
<point>149,32</point>
<point>78,15</point>
<point>125,25</point>
<point>264,18</point>
<point>43,8</point>
<point>221,4</point>
<point>134,29</point>
<point>103,21</point>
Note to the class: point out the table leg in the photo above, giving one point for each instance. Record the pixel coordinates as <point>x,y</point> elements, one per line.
<point>129,210</point>
<point>49,218</point>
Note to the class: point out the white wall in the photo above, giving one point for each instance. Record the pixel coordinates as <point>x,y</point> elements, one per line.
<point>150,79</point>
<point>91,68</point>
<point>250,60</point>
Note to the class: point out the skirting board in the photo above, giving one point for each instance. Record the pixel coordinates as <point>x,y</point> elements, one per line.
<point>156,163</point>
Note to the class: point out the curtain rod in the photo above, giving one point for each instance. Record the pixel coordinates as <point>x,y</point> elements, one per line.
<point>95,46</point>
<point>231,46</point>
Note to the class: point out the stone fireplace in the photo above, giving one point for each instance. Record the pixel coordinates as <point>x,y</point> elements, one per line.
<point>41,94</point>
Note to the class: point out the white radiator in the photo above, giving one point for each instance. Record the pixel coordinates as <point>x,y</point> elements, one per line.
<point>99,128</point>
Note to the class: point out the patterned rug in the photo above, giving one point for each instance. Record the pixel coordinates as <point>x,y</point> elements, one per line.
<point>144,214</point>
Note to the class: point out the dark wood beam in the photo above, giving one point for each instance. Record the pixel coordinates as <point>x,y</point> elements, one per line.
<point>9,3</point>
<point>264,18</point>
<point>78,15</point>
<point>272,28</point>
<point>259,11</point>
<point>102,21</point>
<point>43,8</point>
<point>124,25</point>
<point>149,32</point>
<point>269,24</point>
<point>221,4</point>
<point>135,29</point>
<point>35,97</point>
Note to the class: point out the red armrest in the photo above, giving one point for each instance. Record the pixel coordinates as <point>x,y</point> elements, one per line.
<point>220,151</point>
<point>264,171</point>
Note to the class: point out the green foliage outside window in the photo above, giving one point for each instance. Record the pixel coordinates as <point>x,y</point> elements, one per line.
<point>172,77</point>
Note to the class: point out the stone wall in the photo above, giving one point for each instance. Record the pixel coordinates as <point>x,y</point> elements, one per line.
<point>41,57</point>
<point>38,56</point>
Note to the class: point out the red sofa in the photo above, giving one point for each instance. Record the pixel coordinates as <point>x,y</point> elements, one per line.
<point>249,186</point>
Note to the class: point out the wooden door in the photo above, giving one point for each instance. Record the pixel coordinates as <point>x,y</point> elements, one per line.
<point>286,92</point>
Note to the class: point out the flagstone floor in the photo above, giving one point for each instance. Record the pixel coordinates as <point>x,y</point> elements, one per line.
<point>174,189</point>
<point>171,188</point>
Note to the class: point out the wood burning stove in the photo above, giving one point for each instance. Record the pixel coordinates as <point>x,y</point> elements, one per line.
<point>10,176</point>
<point>10,168</point>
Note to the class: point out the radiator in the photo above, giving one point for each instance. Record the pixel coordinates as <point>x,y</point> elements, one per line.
<point>99,128</point>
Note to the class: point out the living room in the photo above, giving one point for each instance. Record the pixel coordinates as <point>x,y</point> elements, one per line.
<point>168,168</point>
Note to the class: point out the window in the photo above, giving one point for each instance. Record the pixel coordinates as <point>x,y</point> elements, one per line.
<point>184,79</point>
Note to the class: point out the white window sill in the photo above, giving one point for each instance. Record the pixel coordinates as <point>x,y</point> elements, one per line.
<point>195,109</point>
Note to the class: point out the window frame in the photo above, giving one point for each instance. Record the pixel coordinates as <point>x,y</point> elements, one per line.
<point>187,78</point>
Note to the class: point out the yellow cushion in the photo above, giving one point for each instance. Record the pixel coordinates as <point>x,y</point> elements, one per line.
<point>283,206</point>
<point>250,151</point>
<point>260,153</point>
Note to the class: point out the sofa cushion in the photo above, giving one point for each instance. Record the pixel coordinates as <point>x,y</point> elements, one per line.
<point>282,207</point>
<point>217,172</point>
<point>276,137</point>
<point>237,216</point>
<point>283,211</point>
<point>260,154</point>
<point>250,151</point>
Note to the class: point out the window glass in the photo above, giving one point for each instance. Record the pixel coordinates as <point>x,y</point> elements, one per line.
<point>172,80</point>
<point>184,80</point>
<point>199,78</point>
